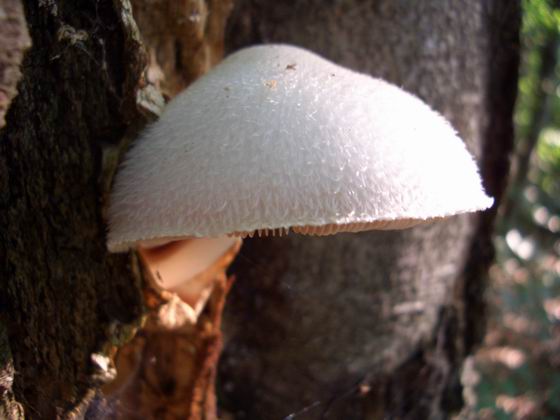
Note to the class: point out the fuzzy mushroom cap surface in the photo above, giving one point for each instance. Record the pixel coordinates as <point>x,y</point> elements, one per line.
<point>275,138</point>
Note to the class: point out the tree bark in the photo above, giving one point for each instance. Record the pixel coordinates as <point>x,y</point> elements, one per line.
<point>65,302</point>
<point>376,325</point>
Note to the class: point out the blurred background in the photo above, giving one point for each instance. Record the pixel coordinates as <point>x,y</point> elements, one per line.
<point>516,373</point>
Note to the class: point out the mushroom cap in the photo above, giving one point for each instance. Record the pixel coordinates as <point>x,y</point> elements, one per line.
<point>276,137</point>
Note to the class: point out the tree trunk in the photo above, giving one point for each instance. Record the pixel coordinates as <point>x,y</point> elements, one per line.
<point>376,325</point>
<point>368,325</point>
<point>66,303</point>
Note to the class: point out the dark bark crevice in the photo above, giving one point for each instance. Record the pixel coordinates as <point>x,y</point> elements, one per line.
<point>503,21</point>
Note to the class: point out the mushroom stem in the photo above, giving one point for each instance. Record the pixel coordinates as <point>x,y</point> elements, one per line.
<point>188,267</point>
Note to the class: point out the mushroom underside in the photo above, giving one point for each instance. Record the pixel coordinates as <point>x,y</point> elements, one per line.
<point>332,228</point>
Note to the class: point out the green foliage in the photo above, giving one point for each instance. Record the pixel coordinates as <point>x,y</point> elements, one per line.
<point>540,20</point>
<point>548,153</point>
<point>519,364</point>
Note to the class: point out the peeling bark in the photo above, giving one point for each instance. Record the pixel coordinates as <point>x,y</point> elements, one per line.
<point>170,373</point>
<point>169,369</point>
<point>14,40</point>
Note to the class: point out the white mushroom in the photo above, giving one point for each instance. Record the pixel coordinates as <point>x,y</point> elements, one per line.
<point>188,267</point>
<point>277,138</point>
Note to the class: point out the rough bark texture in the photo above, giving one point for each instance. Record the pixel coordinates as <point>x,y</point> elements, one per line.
<point>376,324</point>
<point>86,91</point>
<point>66,302</point>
